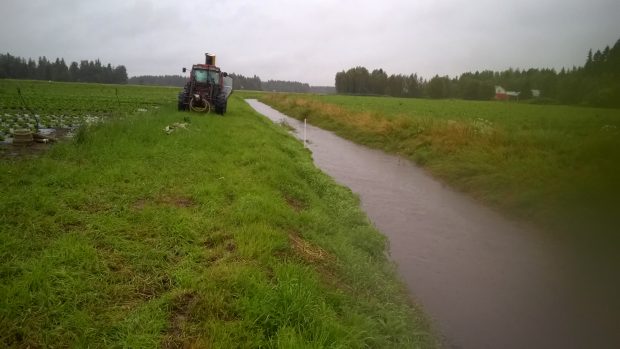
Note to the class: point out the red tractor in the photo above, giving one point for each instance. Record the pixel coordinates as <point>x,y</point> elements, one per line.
<point>208,88</point>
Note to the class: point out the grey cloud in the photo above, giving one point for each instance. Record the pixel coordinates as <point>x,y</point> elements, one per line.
<point>311,40</point>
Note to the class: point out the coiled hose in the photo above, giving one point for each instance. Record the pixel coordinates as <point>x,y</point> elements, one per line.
<point>194,106</point>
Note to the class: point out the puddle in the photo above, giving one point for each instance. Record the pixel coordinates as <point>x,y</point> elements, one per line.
<point>53,135</point>
<point>485,281</point>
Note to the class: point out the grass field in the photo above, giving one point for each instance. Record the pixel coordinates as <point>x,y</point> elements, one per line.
<point>556,165</point>
<point>222,234</point>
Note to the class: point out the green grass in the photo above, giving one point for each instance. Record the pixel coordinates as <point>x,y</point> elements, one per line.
<point>558,166</point>
<point>220,235</point>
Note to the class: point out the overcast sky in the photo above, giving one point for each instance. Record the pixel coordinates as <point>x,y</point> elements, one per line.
<point>311,40</point>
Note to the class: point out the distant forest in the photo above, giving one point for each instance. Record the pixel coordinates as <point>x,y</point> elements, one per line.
<point>240,82</point>
<point>12,67</point>
<point>158,80</point>
<point>597,83</point>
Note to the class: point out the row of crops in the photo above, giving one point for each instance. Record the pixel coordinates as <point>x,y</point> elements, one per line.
<point>41,104</point>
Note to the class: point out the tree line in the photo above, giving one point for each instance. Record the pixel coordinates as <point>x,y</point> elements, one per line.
<point>158,80</point>
<point>323,89</point>
<point>14,67</point>
<point>255,83</point>
<point>286,86</point>
<point>240,82</point>
<point>596,83</point>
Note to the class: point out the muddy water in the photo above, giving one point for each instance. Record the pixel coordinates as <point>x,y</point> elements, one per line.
<point>485,281</point>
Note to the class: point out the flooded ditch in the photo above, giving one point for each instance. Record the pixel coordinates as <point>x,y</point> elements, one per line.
<point>484,280</point>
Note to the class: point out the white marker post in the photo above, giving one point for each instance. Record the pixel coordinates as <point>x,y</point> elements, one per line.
<point>304,132</point>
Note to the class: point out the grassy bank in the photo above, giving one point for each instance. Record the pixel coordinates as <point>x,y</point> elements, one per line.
<point>222,234</point>
<point>556,165</point>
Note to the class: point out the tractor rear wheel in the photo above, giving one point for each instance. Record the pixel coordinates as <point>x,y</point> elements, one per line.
<point>220,104</point>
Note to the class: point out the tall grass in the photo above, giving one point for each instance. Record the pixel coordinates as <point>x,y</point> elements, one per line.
<point>558,166</point>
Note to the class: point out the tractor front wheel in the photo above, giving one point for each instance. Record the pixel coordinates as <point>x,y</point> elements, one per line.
<point>182,102</point>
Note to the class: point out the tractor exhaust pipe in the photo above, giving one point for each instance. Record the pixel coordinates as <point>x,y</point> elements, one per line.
<point>209,59</point>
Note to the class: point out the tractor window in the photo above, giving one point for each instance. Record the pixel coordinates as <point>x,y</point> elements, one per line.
<point>200,75</point>
<point>214,77</point>
<point>207,76</point>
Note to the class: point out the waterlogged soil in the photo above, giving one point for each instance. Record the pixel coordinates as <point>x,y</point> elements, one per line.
<point>486,281</point>
<point>8,149</point>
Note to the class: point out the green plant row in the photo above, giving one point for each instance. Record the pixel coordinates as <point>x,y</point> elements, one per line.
<point>32,104</point>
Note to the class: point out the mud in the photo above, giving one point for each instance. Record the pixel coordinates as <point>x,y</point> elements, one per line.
<point>53,135</point>
<point>486,281</point>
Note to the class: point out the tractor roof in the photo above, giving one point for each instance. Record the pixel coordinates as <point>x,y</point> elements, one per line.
<point>205,66</point>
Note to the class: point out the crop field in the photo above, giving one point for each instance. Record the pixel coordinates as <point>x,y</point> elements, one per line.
<point>169,229</point>
<point>556,165</point>
<point>26,104</point>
